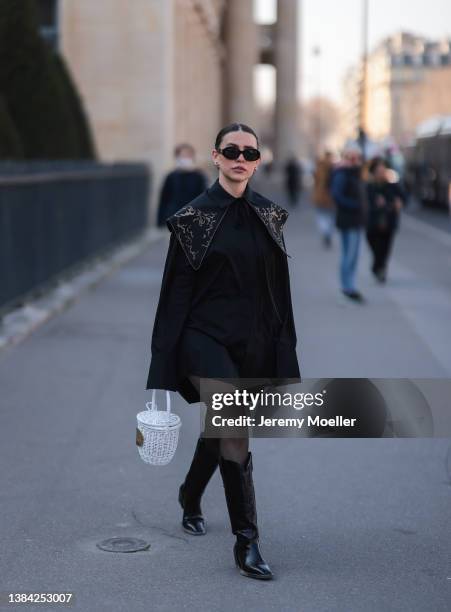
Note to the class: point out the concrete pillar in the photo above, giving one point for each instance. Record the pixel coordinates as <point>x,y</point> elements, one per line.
<point>121,56</point>
<point>241,56</point>
<point>287,115</point>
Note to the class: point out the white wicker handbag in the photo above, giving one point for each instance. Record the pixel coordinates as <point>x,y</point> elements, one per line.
<point>157,433</point>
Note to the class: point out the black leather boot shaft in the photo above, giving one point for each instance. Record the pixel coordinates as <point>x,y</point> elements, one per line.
<point>240,496</point>
<point>203,466</point>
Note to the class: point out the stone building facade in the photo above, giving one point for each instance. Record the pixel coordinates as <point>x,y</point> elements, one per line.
<point>408,81</point>
<point>153,73</point>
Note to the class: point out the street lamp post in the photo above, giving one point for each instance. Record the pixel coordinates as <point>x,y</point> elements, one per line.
<point>317,53</point>
<point>363,87</point>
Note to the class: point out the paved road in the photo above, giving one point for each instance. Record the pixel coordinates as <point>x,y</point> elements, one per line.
<point>436,217</point>
<point>347,525</point>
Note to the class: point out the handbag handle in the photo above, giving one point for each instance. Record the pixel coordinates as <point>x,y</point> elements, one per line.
<point>152,403</point>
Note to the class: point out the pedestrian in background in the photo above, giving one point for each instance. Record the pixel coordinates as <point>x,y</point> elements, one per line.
<point>348,193</point>
<point>225,313</point>
<point>396,168</point>
<point>181,185</point>
<point>293,179</point>
<point>322,198</point>
<point>384,206</point>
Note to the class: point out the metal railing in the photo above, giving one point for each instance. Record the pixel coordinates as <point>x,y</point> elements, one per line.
<point>56,215</point>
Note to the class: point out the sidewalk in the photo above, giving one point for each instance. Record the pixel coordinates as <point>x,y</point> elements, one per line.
<point>346,525</point>
<point>402,331</point>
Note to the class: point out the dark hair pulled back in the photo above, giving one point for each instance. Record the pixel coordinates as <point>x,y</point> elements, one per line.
<point>233,127</point>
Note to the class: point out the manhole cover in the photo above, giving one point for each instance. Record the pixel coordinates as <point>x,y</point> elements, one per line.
<point>123,545</point>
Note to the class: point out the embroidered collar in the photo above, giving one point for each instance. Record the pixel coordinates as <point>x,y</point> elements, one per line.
<point>196,223</point>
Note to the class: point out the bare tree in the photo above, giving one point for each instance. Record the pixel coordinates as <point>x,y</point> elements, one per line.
<point>320,121</point>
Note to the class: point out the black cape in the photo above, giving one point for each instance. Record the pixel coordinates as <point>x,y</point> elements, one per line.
<point>193,229</point>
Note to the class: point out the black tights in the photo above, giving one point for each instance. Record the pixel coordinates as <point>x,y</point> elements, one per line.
<point>231,449</point>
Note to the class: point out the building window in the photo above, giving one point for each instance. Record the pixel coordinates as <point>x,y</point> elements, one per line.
<point>47,11</point>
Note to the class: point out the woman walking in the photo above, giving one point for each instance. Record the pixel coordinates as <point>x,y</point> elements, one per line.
<point>225,312</point>
<point>384,206</point>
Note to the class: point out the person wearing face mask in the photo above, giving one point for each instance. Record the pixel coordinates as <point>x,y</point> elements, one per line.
<point>181,185</point>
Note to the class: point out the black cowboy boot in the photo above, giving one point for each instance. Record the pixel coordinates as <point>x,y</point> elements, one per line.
<point>203,466</point>
<point>240,496</point>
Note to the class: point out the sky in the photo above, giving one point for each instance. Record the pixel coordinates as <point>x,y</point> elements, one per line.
<point>336,27</point>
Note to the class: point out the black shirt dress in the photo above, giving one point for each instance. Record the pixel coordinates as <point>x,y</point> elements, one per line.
<point>226,315</point>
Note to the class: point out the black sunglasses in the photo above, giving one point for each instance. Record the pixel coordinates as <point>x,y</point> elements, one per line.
<point>233,152</point>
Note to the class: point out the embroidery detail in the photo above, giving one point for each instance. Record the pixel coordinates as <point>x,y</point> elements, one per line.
<point>274,218</point>
<point>196,227</point>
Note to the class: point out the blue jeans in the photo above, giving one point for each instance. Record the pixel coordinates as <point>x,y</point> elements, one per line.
<point>350,242</point>
<point>325,220</point>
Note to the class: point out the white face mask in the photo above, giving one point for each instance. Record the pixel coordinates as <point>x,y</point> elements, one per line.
<point>184,162</point>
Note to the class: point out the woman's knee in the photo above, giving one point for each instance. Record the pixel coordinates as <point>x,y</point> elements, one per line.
<point>234,449</point>
<point>235,442</point>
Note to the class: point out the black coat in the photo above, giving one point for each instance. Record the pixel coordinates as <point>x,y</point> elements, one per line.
<point>179,187</point>
<point>293,174</point>
<point>348,193</point>
<point>383,217</point>
<point>193,265</point>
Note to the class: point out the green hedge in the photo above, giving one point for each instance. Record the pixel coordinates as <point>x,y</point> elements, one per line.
<point>85,143</point>
<point>40,97</point>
